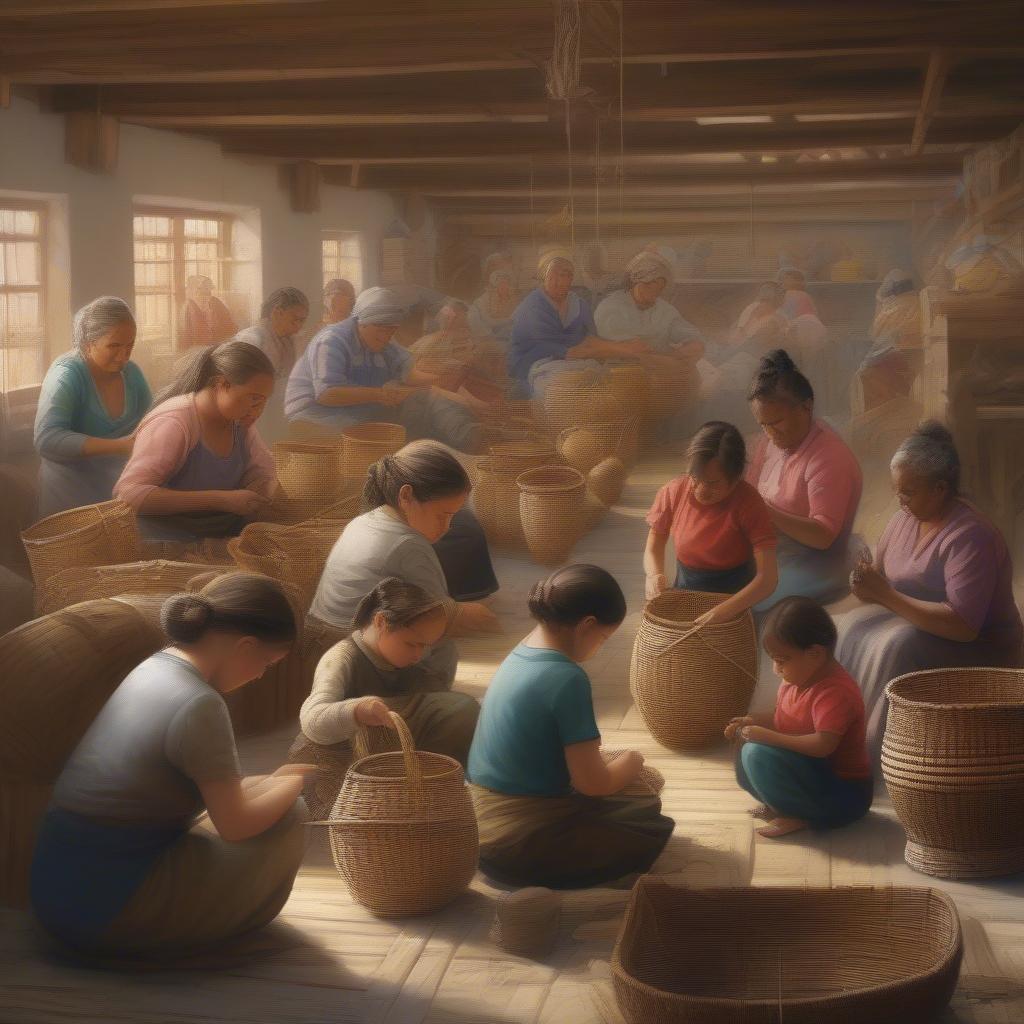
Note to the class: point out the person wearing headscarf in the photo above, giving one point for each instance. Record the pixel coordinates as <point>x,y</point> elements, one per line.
<point>205,320</point>
<point>889,368</point>
<point>354,372</point>
<point>339,298</point>
<point>90,405</point>
<point>490,316</point>
<point>553,330</point>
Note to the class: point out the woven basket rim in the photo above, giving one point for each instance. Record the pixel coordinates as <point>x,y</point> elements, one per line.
<point>446,767</point>
<point>573,479</point>
<point>681,624</point>
<point>30,536</point>
<point>901,700</point>
<point>371,432</point>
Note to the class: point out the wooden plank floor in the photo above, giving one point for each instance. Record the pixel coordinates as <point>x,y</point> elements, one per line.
<point>330,962</point>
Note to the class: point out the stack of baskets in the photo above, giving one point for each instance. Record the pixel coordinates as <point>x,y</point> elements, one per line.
<point>688,682</point>
<point>403,833</point>
<point>364,444</point>
<point>552,506</point>
<point>953,761</point>
<point>495,494</point>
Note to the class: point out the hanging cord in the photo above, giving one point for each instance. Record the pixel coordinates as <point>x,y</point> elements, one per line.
<point>563,82</point>
<point>597,180</point>
<point>572,195</point>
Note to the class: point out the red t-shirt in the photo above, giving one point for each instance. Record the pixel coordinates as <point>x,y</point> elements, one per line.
<point>833,704</point>
<point>721,536</point>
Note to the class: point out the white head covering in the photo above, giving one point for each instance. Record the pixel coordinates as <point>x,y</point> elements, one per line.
<point>552,256</point>
<point>379,306</point>
<point>648,266</point>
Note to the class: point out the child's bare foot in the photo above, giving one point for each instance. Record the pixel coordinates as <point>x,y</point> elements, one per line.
<point>781,827</point>
<point>762,812</point>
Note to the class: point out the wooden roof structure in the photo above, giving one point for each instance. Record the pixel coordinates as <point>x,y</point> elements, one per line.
<point>447,98</point>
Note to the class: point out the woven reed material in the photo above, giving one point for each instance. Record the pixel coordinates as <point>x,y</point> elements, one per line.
<point>800,956</point>
<point>578,398</point>
<point>688,683</point>
<point>526,921</point>
<point>584,447</point>
<point>403,833</point>
<point>953,761</point>
<point>551,507</point>
<point>495,494</point>
<point>103,534</point>
<point>607,480</point>
<point>308,471</point>
<point>650,782</point>
<point>365,443</point>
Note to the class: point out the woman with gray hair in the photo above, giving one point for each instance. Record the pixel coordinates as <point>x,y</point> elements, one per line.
<point>91,401</point>
<point>939,593</point>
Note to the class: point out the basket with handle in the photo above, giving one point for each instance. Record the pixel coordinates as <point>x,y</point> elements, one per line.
<point>365,443</point>
<point>403,833</point>
<point>103,534</point>
<point>688,681</point>
<point>552,506</point>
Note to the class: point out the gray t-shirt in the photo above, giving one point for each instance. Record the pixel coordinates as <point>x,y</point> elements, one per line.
<point>163,730</point>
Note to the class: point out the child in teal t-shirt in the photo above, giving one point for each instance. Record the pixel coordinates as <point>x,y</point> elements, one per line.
<point>551,809</point>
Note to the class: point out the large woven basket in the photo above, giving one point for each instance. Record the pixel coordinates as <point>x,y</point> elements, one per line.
<point>576,398</point>
<point>799,956</point>
<point>552,502</point>
<point>953,761</point>
<point>606,481</point>
<point>365,443</point>
<point>495,494</point>
<point>103,534</point>
<point>403,832</point>
<point>585,446</point>
<point>687,682</point>
<point>308,470</point>
<point>670,393</point>
<point>629,384</point>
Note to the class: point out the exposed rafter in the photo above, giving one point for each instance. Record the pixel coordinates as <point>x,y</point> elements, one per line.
<point>935,78</point>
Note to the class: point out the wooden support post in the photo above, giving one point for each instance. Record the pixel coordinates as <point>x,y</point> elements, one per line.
<point>305,187</point>
<point>934,80</point>
<point>5,93</point>
<point>355,177</point>
<point>91,140</point>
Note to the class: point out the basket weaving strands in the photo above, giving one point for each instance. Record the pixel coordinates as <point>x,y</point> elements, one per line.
<point>403,833</point>
<point>799,956</point>
<point>526,921</point>
<point>671,391</point>
<point>365,443</point>
<point>629,385</point>
<point>103,534</point>
<point>552,506</point>
<point>308,471</point>
<point>584,447</point>
<point>495,494</point>
<point>606,481</point>
<point>689,682</point>
<point>573,403</point>
<point>953,761</point>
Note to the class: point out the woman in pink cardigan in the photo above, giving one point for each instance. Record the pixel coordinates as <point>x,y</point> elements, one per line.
<point>198,467</point>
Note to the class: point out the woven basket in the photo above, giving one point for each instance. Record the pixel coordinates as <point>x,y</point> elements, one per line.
<point>308,471</point>
<point>953,761</point>
<point>366,443</point>
<point>669,394</point>
<point>551,506</point>
<point>800,956</point>
<point>628,384</point>
<point>495,494</point>
<point>403,833</point>
<point>584,447</point>
<point>576,399</point>
<point>606,481</point>
<point>103,534</point>
<point>688,683</point>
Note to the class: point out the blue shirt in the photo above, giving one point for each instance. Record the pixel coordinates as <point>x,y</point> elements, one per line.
<point>538,703</point>
<point>337,358</point>
<point>539,332</point>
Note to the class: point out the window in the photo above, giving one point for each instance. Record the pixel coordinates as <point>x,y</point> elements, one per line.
<point>22,298</point>
<point>342,256</point>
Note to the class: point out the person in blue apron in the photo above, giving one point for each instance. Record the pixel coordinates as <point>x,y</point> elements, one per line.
<point>720,528</point>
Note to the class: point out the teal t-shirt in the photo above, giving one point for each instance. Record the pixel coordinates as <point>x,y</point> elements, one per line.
<point>538,703</point>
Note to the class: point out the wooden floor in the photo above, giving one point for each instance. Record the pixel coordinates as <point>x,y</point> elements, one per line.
<point>329,962</point>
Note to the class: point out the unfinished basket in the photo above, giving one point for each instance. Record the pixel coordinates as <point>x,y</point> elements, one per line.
<point>526,921</point>
<point>365,443</point>
<point>800,956</point>
<point>688,682</point>
<point>403,833</point>
<point>103,534</point>
<point>308,471</point>
<point>953,761</point>
<point>607,479</point>
<point>551,506</point>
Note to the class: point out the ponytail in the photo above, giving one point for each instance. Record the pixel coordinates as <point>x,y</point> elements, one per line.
<point>236,361</point>
<point>400,603</point>
<point>425,466</point>
<point>575,592</point>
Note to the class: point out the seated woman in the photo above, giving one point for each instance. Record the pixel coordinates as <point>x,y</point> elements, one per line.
<point>940,591</point>
<point>551,809</point>
<point>120,871</point>
<point>894,361</point>
<point>90,405</point>
<point>723,536</point>
<point>810,480</point>
<point>412,497</point>
<point>798,301</point>
<point>490,316</point>
<point>807,762</point>
<point>204,319</point>
<point>553,330</point>
<point>354,372</point>
<point>339,298</point>
<point>375,671</point>
<point>199,468</point>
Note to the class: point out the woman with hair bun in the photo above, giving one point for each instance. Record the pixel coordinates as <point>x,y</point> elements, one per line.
<point>552,810</point>
<point>373,672</point>
<point>120,872</point>
<point>810,480</point>
<point>939,593</point>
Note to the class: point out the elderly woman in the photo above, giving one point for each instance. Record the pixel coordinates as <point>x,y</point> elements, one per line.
<point>205,320</point>
<point>940,591</point>
<point>354,372</point>
<point>553,330</point>
<point>91,402</point>
<point>490,316</point>
<point>810,480</point>
<point>339,298</point>
<point>889,368</point>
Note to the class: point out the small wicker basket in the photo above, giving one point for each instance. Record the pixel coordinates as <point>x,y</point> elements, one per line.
<point>308,471</point>
<point>365,443</point>
<point>552,506</point>
<point>606,481</point>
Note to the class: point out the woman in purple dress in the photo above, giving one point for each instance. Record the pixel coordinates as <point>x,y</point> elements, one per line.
<point>940,591</point>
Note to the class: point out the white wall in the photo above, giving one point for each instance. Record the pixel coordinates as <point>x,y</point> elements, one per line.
<point>159,163</point>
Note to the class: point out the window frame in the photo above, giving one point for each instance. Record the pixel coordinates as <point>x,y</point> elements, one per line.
<point>42,210</point>
<point>341,235</point>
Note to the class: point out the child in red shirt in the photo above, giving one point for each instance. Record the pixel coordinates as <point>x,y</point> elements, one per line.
<point>808,762</point>
<point>719,524</point>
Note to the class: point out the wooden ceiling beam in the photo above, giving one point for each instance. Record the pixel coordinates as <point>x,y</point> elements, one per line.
<point>939,64</point>
<point>67,8</point>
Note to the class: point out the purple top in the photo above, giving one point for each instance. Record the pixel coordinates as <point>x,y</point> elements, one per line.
<point>965,564</point>
<point>206,471</point>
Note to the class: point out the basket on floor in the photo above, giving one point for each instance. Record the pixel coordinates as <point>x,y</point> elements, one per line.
<point>577,398</point>
<point>583,447</point>
<point>365,443</point>
<point>688,682</point>
<point>308,471</point>
<point>606,481</point>
<point>630,385</point>
<point>953,761</point>
<point>795,955</point>
<point>495,494</point>
<point>103,534</point>
<point>552,501</point>
<point>403,832</point>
